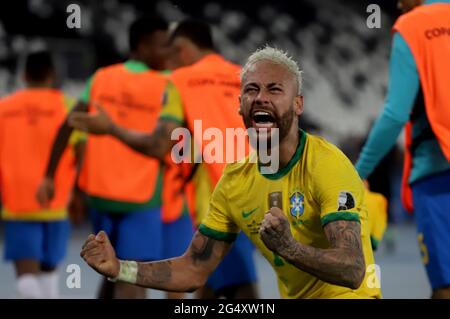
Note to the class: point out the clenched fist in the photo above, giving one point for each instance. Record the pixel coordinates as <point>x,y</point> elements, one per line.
<point>275,231</point>
<point>98,253</point>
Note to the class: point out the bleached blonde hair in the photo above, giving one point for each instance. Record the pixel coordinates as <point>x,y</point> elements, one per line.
<point>277,56</point>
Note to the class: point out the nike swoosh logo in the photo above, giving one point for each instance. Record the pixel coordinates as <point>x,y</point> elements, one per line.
<point>247,214</point>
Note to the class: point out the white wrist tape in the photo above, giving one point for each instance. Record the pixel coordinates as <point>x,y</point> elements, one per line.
<point>128,272</point>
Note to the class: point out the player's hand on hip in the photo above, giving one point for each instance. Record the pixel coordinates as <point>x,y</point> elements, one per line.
<point>98,253</point>
<point>97,123</point>
<point>275,231</point>
<point>45,192</point>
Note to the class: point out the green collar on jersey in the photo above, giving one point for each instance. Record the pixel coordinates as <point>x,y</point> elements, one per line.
<point>136,66</point>
<point>298,153</point>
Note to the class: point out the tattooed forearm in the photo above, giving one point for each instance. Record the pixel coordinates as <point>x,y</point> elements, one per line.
<point>341,264</point>
<point>156,273</point>
<point>157,144</point>
<point>187,272</point>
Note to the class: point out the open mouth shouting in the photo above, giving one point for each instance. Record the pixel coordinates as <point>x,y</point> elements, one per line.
<point>263,119</point>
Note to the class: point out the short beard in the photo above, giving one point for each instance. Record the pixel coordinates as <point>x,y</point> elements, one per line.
<point>283,124</point>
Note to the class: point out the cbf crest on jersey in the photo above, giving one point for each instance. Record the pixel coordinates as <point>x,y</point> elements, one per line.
<point>297,204</point>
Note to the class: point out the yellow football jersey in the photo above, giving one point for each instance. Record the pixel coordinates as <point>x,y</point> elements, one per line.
<point>318,186</point>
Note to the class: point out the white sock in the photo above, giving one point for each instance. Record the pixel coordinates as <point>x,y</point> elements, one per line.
<point>28,287</point>
<point>49,284</point>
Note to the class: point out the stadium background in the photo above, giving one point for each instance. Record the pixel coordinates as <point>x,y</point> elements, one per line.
<point>345,73</point>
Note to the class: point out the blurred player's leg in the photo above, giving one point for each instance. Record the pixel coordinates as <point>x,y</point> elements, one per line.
<point>56,238</point>
<point>48,280</point>
<point>36,249</point>
<point>27,284</point>
<point>432,211</point>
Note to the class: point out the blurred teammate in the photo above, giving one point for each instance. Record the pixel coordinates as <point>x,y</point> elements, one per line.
<point>125,204</point>
<point>205,89</point>
<point>418,96</point>
<point>35,238</point>
<point>308,218</point>
<point>192,45</point>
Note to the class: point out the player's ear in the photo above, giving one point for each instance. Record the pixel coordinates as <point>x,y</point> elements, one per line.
<point>240,106</point>
<point>298,105</point>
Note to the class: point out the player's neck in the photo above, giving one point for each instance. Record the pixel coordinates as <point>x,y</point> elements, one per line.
<point>288,147</point>
<point>278,157</point>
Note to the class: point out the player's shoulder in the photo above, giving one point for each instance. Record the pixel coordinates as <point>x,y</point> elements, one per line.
<point>202,67</point>
<point>26,94</point>
<point>7,102</point>
<point>418,12</point>
<point>241,169</point>
<point>322,155</point>
<point>10,98</point>
<point>229,65</point>
<point>108,70</point>
<point>183,71</point>
<point>321,147</point>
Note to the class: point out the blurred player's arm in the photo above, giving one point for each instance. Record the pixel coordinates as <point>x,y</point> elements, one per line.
<point>46,188</point>
<point>157,144</point>
<point>341,264</point>
<point>61,141</point>
<point>183,274</point>
<point>402,91</point>
<point>77,203</point>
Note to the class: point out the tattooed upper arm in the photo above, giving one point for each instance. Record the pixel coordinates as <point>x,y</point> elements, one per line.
<point>346,235</point>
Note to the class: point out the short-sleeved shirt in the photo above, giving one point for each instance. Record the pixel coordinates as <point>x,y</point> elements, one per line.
<point>318,186</point>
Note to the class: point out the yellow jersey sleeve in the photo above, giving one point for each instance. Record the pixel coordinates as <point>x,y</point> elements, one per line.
<point>172,106</point>
<point>377,206</point>
<point>337,188</point>
<point>218,223</point>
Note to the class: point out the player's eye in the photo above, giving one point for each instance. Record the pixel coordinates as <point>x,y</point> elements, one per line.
<point>250,89</point>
